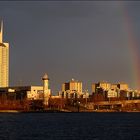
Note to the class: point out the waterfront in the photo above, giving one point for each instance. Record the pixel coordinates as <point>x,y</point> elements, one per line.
<point>69,126</point>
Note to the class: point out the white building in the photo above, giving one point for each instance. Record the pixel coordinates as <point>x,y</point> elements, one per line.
<point>73,89</point>
<point>27,92</point>
<point>35,93</point>
<point>4,60</point>
<point>112,93</point>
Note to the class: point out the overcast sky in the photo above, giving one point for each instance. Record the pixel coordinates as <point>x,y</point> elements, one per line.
<point>86,41</point>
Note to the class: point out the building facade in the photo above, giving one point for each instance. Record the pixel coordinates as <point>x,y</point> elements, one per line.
<point>112,90</point>
<point>4,60</point>
<point>123,86</point>
<point>23,92</point>
<point>73,89</point>
<point>100,85</point>
<point>73,85</point>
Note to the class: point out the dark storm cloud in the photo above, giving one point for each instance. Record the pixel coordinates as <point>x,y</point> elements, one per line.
<point>81,40</point>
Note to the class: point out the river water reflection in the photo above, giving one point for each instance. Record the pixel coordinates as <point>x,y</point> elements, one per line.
<point>70,126</point>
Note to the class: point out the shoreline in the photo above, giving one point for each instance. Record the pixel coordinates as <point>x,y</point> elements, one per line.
<point>63,111</point>
<point>10,111</point>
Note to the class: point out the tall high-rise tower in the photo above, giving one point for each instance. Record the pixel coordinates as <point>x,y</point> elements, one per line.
<point>4,60</point>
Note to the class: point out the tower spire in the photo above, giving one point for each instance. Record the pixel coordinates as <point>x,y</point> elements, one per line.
<point>1,32</point>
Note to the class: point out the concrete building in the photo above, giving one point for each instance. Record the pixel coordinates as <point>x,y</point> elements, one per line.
<point>123,86</point>
<point>29,92</point>
<point>104,85</point>
<point>73,89</point>
<point>100,85</point>
<point>4,60</point>
<point>114,86</point>
<point>107,86</point>
<point>73,85</point>
<point>112,90</point>
<point>23,92</point>
<point>93,88</point>
<point>35,93</point>
<point>112,93</point>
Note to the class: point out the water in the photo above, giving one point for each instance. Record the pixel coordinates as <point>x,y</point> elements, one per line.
<point>70,126</point>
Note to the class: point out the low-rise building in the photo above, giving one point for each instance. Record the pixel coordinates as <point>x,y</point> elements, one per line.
<point>113,90</point>
<point>21,92</point>
<point>112,93</point>
<point>123,86</point>
<point>96,87</point>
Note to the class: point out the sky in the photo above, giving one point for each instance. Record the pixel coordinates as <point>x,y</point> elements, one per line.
<point>89,41</point>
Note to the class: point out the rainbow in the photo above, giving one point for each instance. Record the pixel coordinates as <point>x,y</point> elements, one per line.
<point>132,46</point>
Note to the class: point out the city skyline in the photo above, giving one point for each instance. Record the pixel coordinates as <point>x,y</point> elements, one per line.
<point>88,41</point>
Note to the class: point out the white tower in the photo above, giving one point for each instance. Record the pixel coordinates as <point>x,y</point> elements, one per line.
<point>46,89</point>
<point>1,32</point>
<point>4,60</point>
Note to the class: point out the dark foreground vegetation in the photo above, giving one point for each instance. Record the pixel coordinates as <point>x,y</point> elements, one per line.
<point>91,104</point>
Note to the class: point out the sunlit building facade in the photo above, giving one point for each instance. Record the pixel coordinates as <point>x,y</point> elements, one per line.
<point>104,85</point>
<point>73,89</point>
<point>114,86</point>
<point>4,60</point>
<point>100,85</point>
<point>73,85</point>
<point>123,86</point>
<point>112,90</point>
<point>23,92</point>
